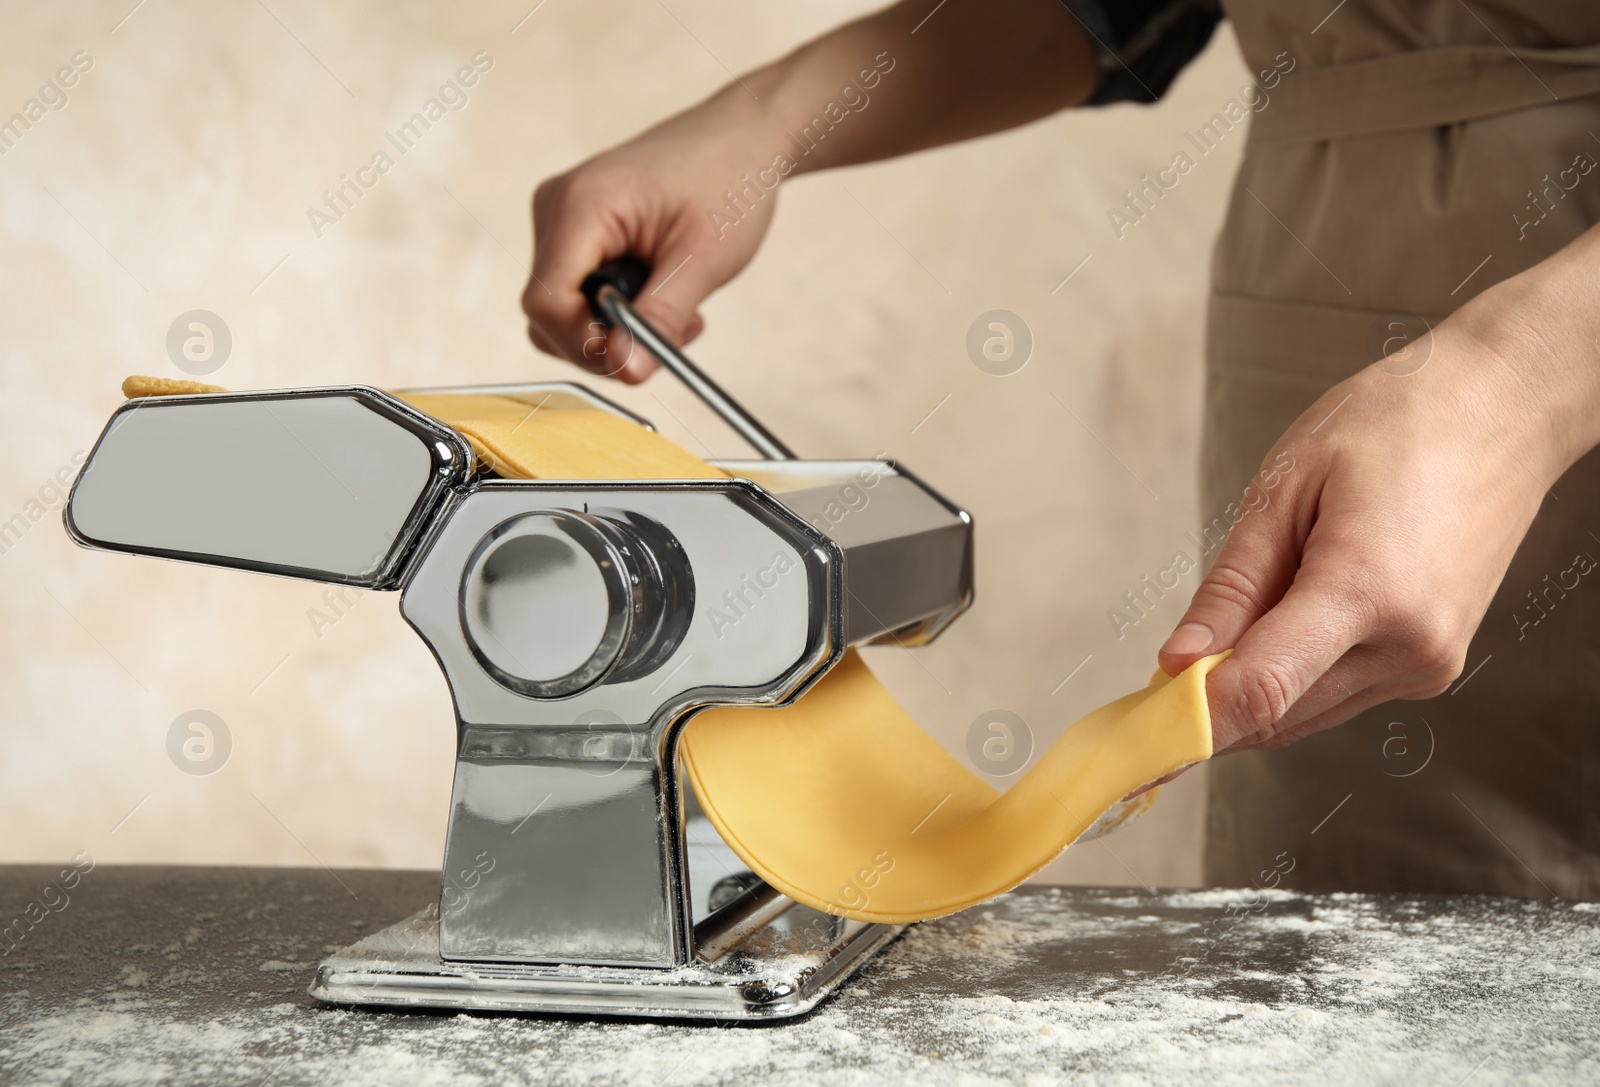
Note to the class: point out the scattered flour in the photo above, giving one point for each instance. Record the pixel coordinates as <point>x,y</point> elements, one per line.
<point>1035,989</point>
<point>279,966</point>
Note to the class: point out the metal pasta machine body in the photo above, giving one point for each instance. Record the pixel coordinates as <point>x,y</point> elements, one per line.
<point>579,625</point>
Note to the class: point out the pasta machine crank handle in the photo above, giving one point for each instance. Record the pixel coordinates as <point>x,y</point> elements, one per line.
<point>610,290</point>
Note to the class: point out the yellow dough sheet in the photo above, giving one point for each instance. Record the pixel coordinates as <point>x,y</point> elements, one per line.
<point>840,800</point>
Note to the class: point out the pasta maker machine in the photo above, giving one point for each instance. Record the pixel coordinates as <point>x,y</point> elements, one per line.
<point>579,625</point>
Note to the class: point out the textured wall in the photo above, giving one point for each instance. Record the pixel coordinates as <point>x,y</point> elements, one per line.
<point>177,175</point>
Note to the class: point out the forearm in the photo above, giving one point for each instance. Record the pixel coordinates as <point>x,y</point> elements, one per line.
<point>1543,325</point>
<point>902,79</point>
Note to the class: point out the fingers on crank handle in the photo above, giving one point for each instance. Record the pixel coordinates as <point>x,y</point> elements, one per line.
<point>628,274</point>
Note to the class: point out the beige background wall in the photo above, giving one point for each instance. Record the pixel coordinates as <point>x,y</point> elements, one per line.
<point>177,177</point>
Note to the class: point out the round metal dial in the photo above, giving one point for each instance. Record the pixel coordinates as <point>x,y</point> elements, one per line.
<point>546,602</point>
<point>554,601</point>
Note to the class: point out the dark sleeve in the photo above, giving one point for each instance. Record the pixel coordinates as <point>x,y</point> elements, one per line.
<point>1142,45</point>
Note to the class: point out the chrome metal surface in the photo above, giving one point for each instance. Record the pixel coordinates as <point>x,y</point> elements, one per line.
<point>908,551</point>
<point>332,484</point>
<point>762,957</point>
<point>565,840</point>
<point>736,920</point>
<point>729,888</point>
<point>776,974</point>
<point>621,312</point>
<point>766,613</point>
<point>552,600</point>
<point>579,625</point>
<point>564,862</point>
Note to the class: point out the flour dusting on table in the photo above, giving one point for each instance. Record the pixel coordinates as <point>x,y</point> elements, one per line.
<point>1039,988</point>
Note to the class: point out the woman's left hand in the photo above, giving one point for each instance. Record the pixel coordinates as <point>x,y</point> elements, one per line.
<point>1366,574</point>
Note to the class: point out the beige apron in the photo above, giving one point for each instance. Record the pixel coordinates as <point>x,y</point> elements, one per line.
<point>1415,154</point>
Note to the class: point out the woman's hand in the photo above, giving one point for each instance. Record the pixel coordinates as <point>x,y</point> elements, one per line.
<point>1366,574</point>
<point>653,197</point>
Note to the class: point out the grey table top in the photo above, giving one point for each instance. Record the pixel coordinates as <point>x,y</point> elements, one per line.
<point>198,976</point>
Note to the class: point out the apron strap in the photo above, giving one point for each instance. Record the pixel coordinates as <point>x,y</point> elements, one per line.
<point>1402,92</point>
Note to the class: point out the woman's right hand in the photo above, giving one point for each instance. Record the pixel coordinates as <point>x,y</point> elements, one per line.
<point>653,197</point>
